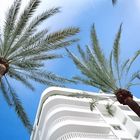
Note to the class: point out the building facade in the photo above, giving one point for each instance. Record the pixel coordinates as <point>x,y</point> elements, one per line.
<point>68,114</point>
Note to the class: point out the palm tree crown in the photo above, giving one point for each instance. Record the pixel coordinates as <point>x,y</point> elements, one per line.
<point>24,49</point>
<point>107,75</point>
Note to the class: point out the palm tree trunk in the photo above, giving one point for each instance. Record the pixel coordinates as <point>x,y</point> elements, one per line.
<point>133,105</point>
<point>126,98</point>
<point>3,66</point>
<point>2,70</point>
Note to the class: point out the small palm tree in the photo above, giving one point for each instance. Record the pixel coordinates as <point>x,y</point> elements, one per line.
<point>108,75</point>
<point>24,49</point>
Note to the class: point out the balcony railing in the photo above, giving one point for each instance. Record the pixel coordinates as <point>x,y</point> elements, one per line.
<point>77,135</point>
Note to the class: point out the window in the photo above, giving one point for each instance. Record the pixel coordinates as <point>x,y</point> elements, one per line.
<point>116,127</point>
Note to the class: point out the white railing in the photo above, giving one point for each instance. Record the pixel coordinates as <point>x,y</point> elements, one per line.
<point>72,135</point>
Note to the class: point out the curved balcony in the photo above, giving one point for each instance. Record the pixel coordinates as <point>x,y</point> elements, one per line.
<point>56,102</point>
<point>66,126</point>
<point>86,136</point>
<point>57,108</point>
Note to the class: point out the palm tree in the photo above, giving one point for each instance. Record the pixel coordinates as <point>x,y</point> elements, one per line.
<point>24,49</point>
<point>109,75</point>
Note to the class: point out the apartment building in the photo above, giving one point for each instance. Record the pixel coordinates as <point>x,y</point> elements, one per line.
<point>68,114</point>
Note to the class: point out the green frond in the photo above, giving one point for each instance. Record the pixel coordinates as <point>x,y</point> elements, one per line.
<point>5,93</point>
<point>116,52</point>
<point>20,112</point>
<point>19,108</point>
<point>116,46</point>
<point>31,28</point>
<point>9,23</point>
<point>24,18</point>
<point>123,67</point>
<point>40,18</point>
<point>91,69</point>
<point>28,65</point>
<point>132,60</point>
<point>132,84</point>
<point>111,65</point>
<point>99,55</point>
<point>58,45</point>
<point>38,49</point>
<point>82,53</point>
<point>21,78</point>
<point>60,35</point>
<point>25,42</point>
<point>41,80</point>
<point>132,78</point>
<point>43,77</point>
<point>49,76</point>
<point>91,82</point>
<point>98,70</point>
<point>44,57</point>
<point>95,69</point>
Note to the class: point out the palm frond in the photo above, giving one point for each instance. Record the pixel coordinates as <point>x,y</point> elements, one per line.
<point>21,78</point>
<point>132,78</point>
<point>41,80</point>
<point>28,65</point>
<point>31,28</point>
<point>38,49</point>
<point>24,43</point>
<point>116,52</point>
<point>97,50</point>
<point>60,35</point>
<point>82,53</point>
<point>39,19</point>
<point>5,93</point>
<point>19,108</point>
<point>44,57</point>
<point>92,82</point>
<point>98,70</point>
<point>123,67</point>
<point>23,19</point>
<point>9,24</point>
<point>92,71</point>
<point>111,65</point>
<point>132,60</point>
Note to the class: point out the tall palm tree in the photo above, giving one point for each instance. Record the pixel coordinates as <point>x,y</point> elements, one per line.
<point>24,49</point>
<point>109,75</point>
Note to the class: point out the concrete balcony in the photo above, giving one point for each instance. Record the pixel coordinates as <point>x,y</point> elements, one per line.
<point>60,115</point>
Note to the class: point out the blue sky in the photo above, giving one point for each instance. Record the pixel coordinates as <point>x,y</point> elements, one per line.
<point>79,13</point>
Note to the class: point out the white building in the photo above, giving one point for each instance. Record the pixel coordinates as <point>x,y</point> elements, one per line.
<point>61,116</point>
